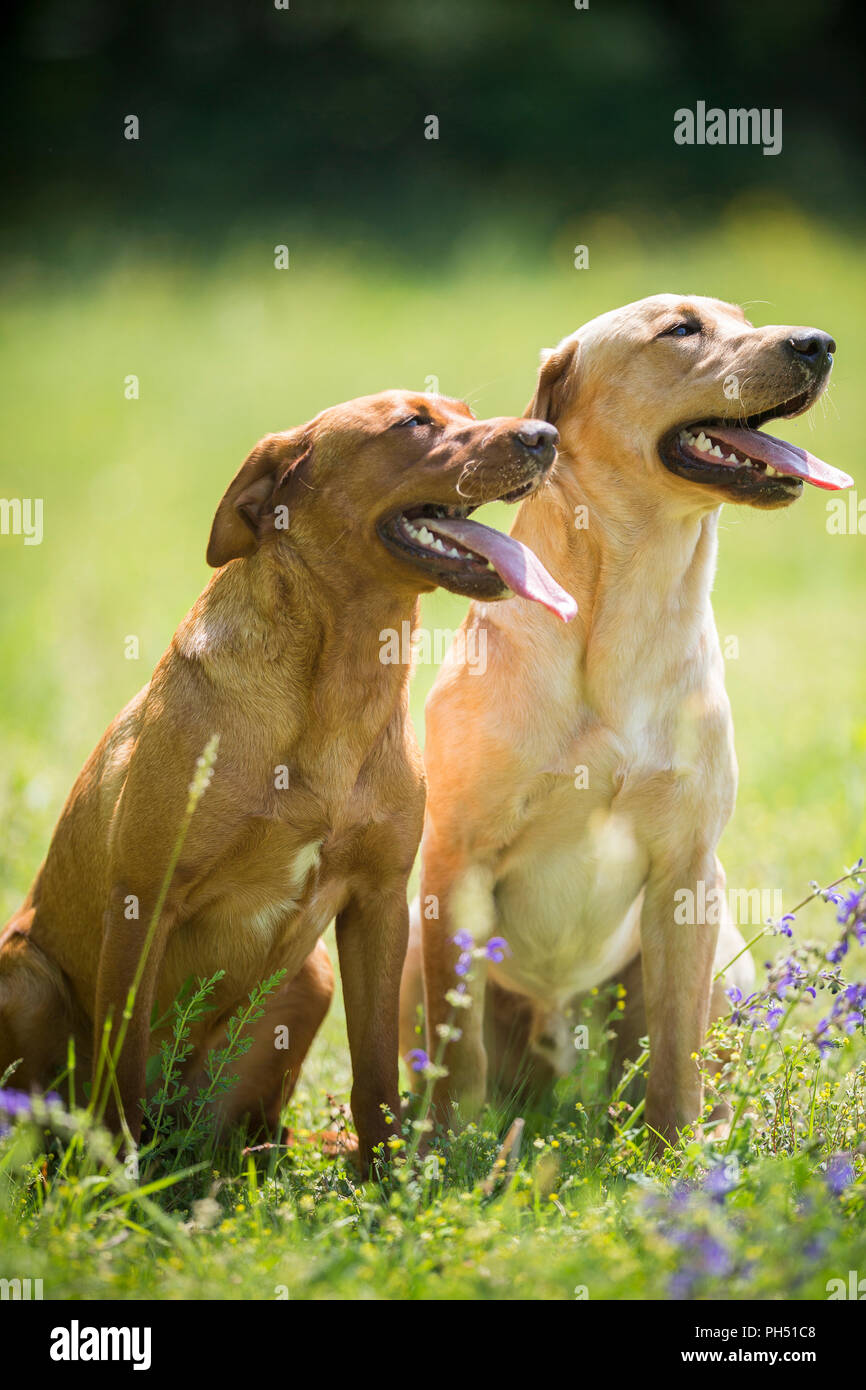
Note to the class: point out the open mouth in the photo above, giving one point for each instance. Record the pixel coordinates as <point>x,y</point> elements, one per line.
<point>474,560</point>
<point>746,463</point>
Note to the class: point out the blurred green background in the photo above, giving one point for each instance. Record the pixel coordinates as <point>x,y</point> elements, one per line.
<point>310,119</point>
<point>409,259</point>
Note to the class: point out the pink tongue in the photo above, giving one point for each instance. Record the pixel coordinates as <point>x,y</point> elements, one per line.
<point>778,453</point>
<point>514,562</point>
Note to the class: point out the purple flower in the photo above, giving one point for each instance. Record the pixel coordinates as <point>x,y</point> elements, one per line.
<point>703,1255</point>
<point>464,963</point>
<point>851,916</point>
<point>849,904</point>
<point>497,948</point>
<point>714,1256</point>
<point>14,1104</point>
<point>682,1283</point>
<point>847,1015</point>
<point>718,1183</point>
<point>681,1195</point>
<point>839,951</point>
<point>749,1004</point>
<point>464,940</point>
<point>822,1039</point>
<point>814,1248</point>
<point>418,1059</point>
<point>839,1173</point>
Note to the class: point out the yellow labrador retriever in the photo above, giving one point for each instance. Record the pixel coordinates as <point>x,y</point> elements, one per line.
<point>582,781</point>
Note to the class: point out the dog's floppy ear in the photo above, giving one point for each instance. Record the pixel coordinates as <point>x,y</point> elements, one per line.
<point>238,524</point>
<point>557,378</point>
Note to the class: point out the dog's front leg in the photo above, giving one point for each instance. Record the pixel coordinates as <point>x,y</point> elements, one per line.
<point>372,932</point>
<point>130,956</point>
<point>677,950</point>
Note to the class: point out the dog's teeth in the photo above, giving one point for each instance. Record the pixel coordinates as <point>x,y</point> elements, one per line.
<point>717,451</point>
<point>424,536</point>
<point>703,443</point>
<point>732,458</point>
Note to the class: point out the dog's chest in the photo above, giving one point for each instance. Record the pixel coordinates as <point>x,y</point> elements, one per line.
<point>568,902</point>
<point>264,910</point>
<point>569,886</point>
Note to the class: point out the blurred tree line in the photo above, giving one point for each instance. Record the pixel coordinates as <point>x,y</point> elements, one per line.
<point>254,117</point>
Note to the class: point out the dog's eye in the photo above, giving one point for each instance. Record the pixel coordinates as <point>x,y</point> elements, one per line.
<point>680,330</point>
<point>411,422</point>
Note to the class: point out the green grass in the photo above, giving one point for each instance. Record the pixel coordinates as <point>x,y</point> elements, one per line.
<point>226,352</point>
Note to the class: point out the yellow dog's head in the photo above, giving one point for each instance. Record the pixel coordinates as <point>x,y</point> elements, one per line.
<point>673,391</point>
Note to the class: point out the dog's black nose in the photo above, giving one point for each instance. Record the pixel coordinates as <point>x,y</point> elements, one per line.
<point>813,347</point>
<point>538,438</point>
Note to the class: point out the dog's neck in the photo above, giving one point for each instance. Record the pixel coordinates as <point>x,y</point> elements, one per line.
<point>314,639</point>
<point>641,572</point>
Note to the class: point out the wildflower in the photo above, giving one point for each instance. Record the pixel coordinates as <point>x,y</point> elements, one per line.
<point>464,940</point>
<point>15,1104</point>
<point>839,951</point>
<point>850,904</point>
<point>718,1183</point>
<point>784,926</point>
<point>851,916</point>
<point>736,997</point>
<point>714,1256</point>
<point>839,1173</point>
<point>458,998</point>
<point>497,948</point>
<point>418,1059</point>
<point>790,975</point>
<point>703,1256</point>
<point>448,1033</point>
<point>846,1016</point>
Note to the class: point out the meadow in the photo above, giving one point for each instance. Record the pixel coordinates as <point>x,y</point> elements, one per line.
<point>226,350</point>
